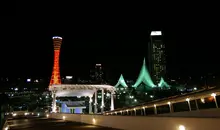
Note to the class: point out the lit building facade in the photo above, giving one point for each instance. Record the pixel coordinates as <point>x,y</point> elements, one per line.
<point>157,56</point>
<point>97,74</point>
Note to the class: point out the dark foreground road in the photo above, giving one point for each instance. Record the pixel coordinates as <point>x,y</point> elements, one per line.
<point>50,124</point>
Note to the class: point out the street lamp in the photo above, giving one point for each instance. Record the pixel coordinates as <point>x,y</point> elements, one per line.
<point>155,109</point>
<point>214,96</point>
<point>134,111</point>
<point>144,111</point>
<point>188,100</point>
<point>170,106</point>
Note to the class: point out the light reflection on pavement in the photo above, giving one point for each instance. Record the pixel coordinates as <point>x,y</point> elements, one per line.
<point>49,124</point>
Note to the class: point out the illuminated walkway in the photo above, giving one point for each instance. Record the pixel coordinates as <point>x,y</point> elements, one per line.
<point>50,124</point>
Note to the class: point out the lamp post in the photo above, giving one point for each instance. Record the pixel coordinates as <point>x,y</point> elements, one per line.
<point>170,106</point>
<point>155,109</point>
<point>214,96</point>
<point>188,100</point>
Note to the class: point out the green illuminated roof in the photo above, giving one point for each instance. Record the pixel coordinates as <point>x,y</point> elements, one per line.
<point>121,82</point>
<point>162,83</point>
<point>144,77</point>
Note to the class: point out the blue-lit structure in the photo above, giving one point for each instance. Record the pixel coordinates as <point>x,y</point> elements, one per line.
<point>75,107</point>
<point>64,108</point>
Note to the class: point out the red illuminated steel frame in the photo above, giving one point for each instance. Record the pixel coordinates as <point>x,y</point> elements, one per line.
<point>55,78</point>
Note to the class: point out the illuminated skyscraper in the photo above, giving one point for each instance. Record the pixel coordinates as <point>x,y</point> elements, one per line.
<point>157,57</point>
<point>55,78</point>
<point>97,74</point>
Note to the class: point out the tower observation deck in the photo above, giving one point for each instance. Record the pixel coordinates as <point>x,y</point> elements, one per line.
<point>55,78</point>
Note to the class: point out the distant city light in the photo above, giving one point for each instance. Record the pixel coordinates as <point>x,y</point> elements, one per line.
<point>16,89</point>
<point>98,65</point>
<point>156,33</point>
<point>36,81</point>
<point>69,77</point>
<point>195,88</point>
<point>28,80</point>
<point>131,96</point>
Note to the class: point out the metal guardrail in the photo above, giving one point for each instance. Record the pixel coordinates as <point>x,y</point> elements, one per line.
<point>203,93</point>
<point>5,126</point>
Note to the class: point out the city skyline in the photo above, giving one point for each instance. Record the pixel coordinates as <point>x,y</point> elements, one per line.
<point>118,47</point>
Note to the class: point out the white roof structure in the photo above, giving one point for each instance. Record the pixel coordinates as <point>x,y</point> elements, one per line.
<point>57,37</point>
<point>72,90</point>
<point>156,33</point>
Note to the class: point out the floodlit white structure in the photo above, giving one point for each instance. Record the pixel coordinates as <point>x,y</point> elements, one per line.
<point>156,33</point>
<point>71,90</point>
<point>57,37</point>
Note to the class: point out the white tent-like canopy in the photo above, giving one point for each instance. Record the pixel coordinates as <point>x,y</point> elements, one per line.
<point>72,90</point>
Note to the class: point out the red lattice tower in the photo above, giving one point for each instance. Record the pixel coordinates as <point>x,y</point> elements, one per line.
<point>55,78</point>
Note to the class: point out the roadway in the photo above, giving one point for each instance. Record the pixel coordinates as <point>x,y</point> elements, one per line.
<point>50,124</point>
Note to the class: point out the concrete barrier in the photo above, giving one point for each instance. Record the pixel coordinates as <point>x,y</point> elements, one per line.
<point>142,123</point>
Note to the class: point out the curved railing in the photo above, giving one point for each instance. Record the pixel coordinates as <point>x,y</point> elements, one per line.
<point>170,101</point>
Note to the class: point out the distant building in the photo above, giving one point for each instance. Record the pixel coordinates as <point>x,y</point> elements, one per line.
<point>67,79</point>
<point>23,90</point>
<point>157,57</point>
<point>96,74</point>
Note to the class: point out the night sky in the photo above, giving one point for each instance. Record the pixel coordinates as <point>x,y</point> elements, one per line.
<point>120,45</point>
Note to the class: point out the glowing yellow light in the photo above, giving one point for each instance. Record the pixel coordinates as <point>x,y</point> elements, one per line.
<point>169,103</point>
<point>187,99</point>
<point>64,117</point>
<point>94,120</point>
<point>47,115</point>
<point>202,100</point>
<point>6,128</point>
<point>182,127</point>
<point>213,94</point>
<point>155,105</point>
